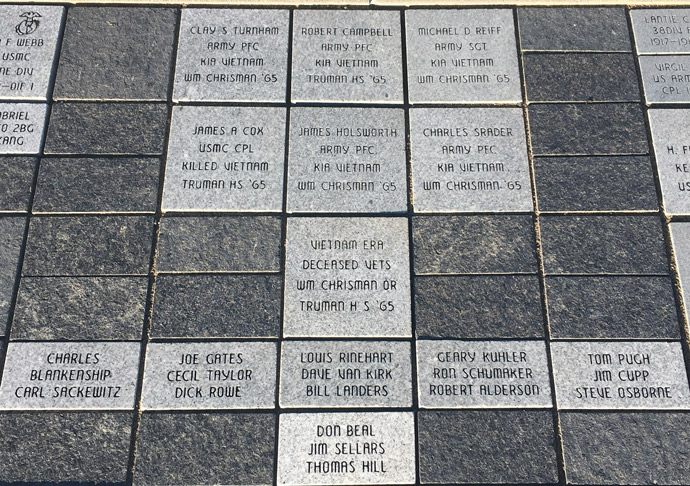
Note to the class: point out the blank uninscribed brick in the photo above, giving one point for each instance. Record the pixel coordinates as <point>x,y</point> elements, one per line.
<point>474,447</point>
<point>205,448</point>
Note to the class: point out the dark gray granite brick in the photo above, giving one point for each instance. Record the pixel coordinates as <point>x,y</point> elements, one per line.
<point>219,244</point>
<point>217,306</point>
<point>80,308</point>
<point>107,128</point>
<point>97,185</point>
<point>588,129</point>
<point>612,308</point>
<point>603,244</point>
<point>478,306</point>
<point>203,448</point>
<point>15,183</point>
<point>595,184</point>
<point>574,29</point>
<point>11,236</point>
<point>88,245</point>
<point>473,244</point>
<point>485,446</point>
<point>59,447</point>
<point>116,53</point>
<point>581,77</point>
<point>626,448</point>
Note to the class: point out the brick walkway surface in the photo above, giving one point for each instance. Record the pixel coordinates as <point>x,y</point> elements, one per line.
<point>315,246</point>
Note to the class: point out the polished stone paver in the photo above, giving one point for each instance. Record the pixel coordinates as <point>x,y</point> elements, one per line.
<point>317,246</point>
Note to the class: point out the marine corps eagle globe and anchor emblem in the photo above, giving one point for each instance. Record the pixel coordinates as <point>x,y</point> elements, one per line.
<point>30,23</point>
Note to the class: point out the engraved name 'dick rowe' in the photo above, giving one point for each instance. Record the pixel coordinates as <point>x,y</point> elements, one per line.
<point>209,375</point>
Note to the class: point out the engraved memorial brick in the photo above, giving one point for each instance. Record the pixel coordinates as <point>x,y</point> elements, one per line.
<point>347,160</point>
<point>232,55</point>
<point>28,36</point>
<point>75,376</point>
<point>209,375</point>
<point>345,374</point>
<point>469,159</point>
<point>464,55</point>
<point>483,374</point>
<point>346,448</point>
<point>672,158</point>
<point>620,375</point>
<point>21,127</point>
<point>661,30</point>
<point>347,277</point>
<point>347,55</point>
<point>225,158</point>
<point>665,78</point>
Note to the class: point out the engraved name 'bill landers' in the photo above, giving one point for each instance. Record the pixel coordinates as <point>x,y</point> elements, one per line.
<point>345,374</point>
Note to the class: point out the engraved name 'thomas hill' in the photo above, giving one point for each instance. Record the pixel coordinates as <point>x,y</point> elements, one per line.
<point>464,55</point>
<point>232,55</point>
<point>346,448</point>
<point>347,160</point>
<point>75,376</point>
<point>345,374</point>
<point>224,158</point>
<point>469,159</point>
<point>28,38</point>
<point>347,55</point>
<point>620,375</point>
<point>347,277</point>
